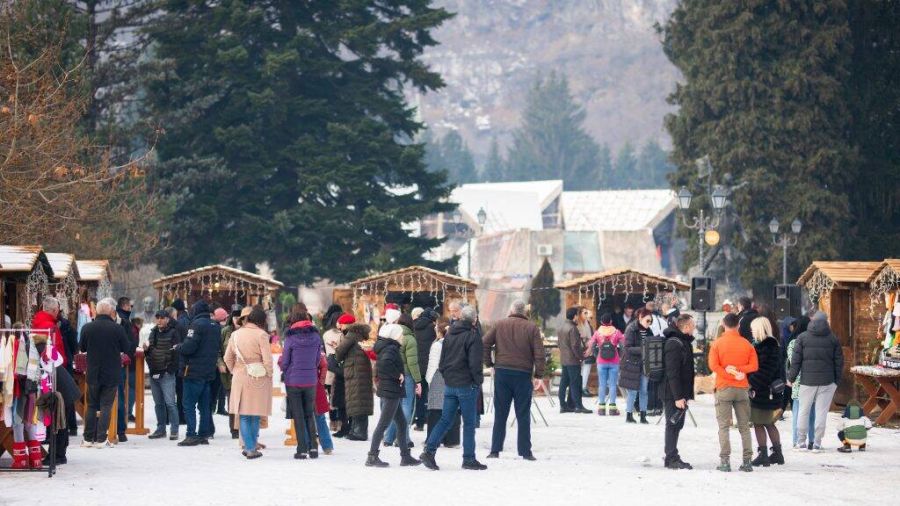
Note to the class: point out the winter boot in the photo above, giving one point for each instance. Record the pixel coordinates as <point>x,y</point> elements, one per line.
<point>427,459</point>
<point>644,418</point>
<point>35,458</point>
<point>776,457</point>
<point>20,456</point>
<point>747,466</point>
<point>612,410</point>
<point>762,459</point>
<point>629,418</point>
<point>845,449</point>
<point>374,461</point>
<point>724,466</point>
<point>408,460</point>
<point>601,411</point>
<point>862,447</point>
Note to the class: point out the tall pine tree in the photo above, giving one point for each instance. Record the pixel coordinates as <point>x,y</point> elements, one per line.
<point>762,97</point>
<point>495,167</point>
<point>552,143</point>
<point>452,156</point>
<point>285,127</point>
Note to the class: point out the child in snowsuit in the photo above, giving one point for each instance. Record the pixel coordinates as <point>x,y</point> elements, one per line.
<point>853,428</point>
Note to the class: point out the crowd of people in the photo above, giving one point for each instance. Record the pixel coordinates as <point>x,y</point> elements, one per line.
<point>427,372</point>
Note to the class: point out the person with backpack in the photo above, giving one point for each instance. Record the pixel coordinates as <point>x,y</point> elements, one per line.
<point>766,391</point>
<point>163,365</point>
<point>732,358</point>
<point>677,387</point>
<point>633,379</point>
<point>607,341</point>
<point>571,353</point>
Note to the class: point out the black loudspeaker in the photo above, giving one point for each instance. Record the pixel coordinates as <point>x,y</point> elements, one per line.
<point>703,294</point>
<point>787,301</point>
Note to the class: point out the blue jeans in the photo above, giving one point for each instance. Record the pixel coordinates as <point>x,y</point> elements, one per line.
<point>163,390</point>
<point>795,412</point>
<point>515,387</point>
<point>642,400</point>
<point>195,396</point>
<point>608,378</point>
<point>461,399</point>
<point>407,405</point>
<point>249,429</point>
<point>121,414</point>
<point>324,432</point>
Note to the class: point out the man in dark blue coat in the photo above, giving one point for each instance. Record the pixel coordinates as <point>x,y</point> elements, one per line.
<point>199,353</point>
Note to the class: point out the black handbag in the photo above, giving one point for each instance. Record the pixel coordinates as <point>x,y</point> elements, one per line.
<point>777,386</point>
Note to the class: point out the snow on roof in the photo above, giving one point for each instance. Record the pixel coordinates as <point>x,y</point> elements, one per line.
<point>509,206</point>
<point>92,270</point>
<point>616,209</point>
<point>62,264</point>
<point>19,258</point>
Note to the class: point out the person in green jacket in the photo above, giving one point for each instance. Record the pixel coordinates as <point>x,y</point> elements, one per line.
<point>412,382</point>
<point>234,323</point>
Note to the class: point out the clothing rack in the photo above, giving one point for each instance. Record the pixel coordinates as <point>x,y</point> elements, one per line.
<point>51,437</point>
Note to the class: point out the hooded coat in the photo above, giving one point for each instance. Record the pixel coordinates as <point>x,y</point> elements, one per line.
<point>771,365</point>
<point>249,396</point>
<point>299,361</point>
<point>631,364</point>
<point>425,336</point>
<point>818,355</point>
<point>389,368</point>
<point>679,363</point>
<point>200,348</point>
<point>357,371</point>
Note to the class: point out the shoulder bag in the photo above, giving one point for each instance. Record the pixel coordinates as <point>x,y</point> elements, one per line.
<point>255,370</point>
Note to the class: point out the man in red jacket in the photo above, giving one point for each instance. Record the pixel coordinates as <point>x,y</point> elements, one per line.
<point>46,319</point>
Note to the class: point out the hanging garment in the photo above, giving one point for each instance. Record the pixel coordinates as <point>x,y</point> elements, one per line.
<point>84,317</point>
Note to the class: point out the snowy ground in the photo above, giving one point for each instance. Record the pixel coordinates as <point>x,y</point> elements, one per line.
<point>580,457</point>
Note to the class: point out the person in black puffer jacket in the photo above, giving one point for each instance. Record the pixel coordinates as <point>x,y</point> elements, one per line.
<point>678,387</point>
<point>389,370</point>
<point>820,359</point>
<point>163,365</point>
<point>199,354</point>
<point>765,404</point>
<point>632,378</point>
<point>423,326</point>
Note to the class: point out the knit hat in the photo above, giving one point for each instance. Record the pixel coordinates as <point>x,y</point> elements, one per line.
<point>178,305</point>
<point>220,315</point>
<point>346,319</point>
<point>391,331</point>
<point>416,313</point>
<point>391,313</point>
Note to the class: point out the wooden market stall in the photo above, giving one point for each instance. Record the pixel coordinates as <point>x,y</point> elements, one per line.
<point>410,287</point>
<point>25,275</point>
<point>602,290</point>
<point>218,283</point>
<point>94,279</point>
<point>64,285</point>
<point>842,291</point>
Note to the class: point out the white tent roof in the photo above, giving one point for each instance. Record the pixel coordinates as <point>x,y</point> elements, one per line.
<point>618,210</point>
<point>509,206</point>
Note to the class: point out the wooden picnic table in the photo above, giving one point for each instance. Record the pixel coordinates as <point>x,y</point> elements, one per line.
<point>883,388</point>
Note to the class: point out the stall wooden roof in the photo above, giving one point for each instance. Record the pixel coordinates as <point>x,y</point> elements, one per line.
<point>892,263</point>
<point>441,276</point>
<point>270,283</point>
<point>93,270</point>
<point>62,264</point>
<point>23,258</point>
<point>841,272</point>
<point>610,275</point>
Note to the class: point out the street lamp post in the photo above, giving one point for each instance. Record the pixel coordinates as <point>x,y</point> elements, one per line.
<point>481,216</point>
<point>703,223</point>
<point>785,241</point>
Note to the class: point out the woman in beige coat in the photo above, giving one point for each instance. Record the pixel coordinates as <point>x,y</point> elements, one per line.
<point>251,398</point>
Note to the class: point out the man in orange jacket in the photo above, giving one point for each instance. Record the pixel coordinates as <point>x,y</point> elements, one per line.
<point>732,358</point>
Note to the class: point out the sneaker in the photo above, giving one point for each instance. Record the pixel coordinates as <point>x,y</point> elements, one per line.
<point>601,411</point>
<point>724,466</point>
<point>493,455</point>
<point>300,456</point>
<point>845,449</point>
<point>159,434</point>
<point>529,457</point>
<point>816,449</point>
<point>87,444</point>
<point>427,459</point>
<point>473,465</point>
<point>104,444</point>
<point>747,466</point>
<point>190,441</point>
<point>328,451</point>
<point>255,454</point>
<point>613,411</point>
<point>173,437</point>
<point>800,447</point>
